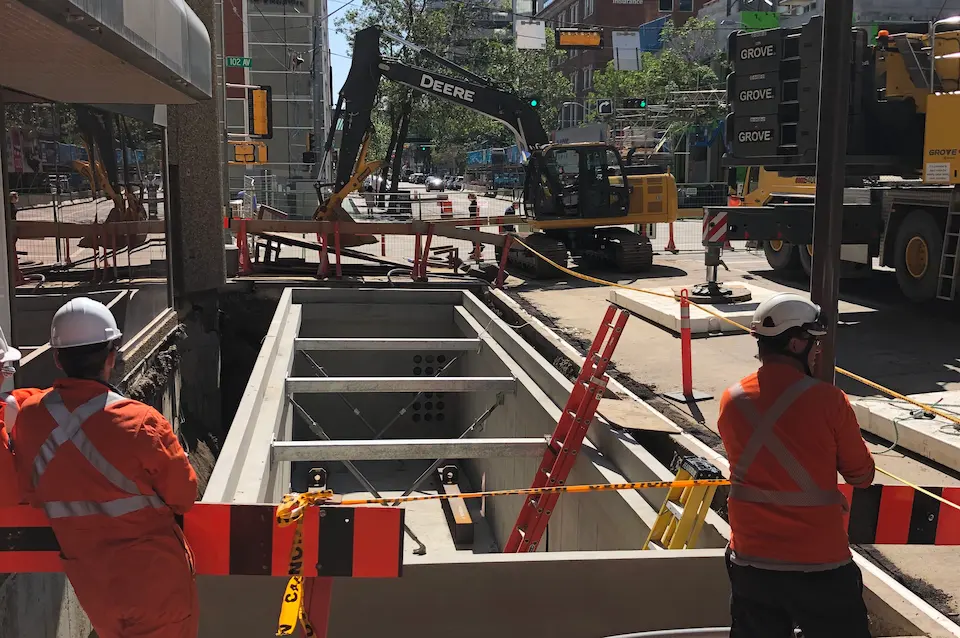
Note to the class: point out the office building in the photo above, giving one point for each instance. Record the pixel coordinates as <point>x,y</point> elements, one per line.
<point>287,44</point>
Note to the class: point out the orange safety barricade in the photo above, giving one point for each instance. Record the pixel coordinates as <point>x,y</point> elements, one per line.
<point>231,540</point>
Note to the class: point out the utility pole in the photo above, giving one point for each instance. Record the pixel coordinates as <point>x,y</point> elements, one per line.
<point>835,60</point>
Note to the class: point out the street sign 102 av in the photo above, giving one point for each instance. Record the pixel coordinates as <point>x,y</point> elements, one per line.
<point>236,61</point>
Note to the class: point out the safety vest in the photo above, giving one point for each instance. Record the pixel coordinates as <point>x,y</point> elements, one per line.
<point>781,517</point>
<point>69,427</point>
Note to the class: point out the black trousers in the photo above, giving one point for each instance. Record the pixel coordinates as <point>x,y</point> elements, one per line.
<point>769,604</point>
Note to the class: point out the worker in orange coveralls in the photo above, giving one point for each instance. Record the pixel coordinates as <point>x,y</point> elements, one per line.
<point>10,403</point>
<point>787,435</point>
<point>111,475</point>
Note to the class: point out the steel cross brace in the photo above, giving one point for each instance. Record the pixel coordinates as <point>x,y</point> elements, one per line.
<point>318,431</point>
<point>403,410</point>
<point>433,466</point>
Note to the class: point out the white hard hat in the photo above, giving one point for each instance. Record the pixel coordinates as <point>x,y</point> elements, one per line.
<point>83,322</point>
<point>784,311</point>
<point>8,354</point>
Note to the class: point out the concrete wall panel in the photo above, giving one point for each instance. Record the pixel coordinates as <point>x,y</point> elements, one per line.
<point>575,595</point>
<point>40,606</point>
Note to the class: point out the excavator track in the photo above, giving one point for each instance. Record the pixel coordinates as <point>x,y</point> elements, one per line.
<point>524,260</point>
<point>622,249</point>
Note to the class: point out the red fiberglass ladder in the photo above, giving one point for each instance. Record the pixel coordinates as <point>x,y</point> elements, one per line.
<point>567,439</point>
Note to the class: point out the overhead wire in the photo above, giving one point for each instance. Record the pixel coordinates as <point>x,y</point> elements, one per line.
<point>876,386</point>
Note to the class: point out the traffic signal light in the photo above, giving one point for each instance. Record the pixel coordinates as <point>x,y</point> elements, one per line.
<point>635,103</point>
<point>260,112</point>
<point>534,102</point>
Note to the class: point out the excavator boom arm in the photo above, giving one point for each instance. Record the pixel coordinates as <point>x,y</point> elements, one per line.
<point>359,95</point>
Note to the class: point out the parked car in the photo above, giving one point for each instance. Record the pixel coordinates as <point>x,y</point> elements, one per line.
<point>434,183</point>
<point>416,178</point>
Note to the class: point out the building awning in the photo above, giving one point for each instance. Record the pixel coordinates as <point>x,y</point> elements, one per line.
<point>105,51</point>
<point>650,34</point>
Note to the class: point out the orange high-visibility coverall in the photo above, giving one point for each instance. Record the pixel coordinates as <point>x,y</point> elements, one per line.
<point>784,506</point>
<point>111,476</point>
<point>10,403</point>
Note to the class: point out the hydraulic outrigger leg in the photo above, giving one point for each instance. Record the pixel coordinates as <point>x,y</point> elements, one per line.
<point>712,291</point>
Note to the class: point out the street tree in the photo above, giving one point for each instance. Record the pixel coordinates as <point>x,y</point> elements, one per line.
<point>445,31</point>
<point>688,61</point>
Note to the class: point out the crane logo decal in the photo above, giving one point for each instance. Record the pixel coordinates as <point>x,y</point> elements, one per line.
<point>445,88</point>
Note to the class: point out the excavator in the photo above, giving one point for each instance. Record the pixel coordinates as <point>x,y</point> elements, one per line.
<point>101,171</point>
<point>577,198</point>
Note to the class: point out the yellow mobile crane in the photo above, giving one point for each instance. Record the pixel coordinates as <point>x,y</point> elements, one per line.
<point>901,201</point>
<point>576,197</point>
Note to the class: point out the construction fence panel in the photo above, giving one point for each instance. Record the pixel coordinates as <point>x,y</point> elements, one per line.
<point>50,180</point>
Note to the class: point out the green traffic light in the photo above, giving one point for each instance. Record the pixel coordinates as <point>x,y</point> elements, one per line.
<point>534,102</point>
<point>643,104</point>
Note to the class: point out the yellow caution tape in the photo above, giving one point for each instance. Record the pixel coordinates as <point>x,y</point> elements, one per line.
<point>876,386</point>
<point>290,511</point>
<point>561,489</point>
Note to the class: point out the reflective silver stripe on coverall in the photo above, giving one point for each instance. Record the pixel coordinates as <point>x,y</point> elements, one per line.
<point>69,428</point>
<point>764,435</point>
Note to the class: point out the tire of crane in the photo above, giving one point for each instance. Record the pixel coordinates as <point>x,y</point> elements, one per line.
<point>918,246</point>
<point>848,269</point>
<point>782,256</point>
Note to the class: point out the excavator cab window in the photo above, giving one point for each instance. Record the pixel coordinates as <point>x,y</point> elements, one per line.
<point>574,182</point>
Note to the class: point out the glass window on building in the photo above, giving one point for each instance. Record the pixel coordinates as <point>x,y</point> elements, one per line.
<point>666,6</point>
<point>588,8</point>
<point>685,5</point>
<point>575,13</point>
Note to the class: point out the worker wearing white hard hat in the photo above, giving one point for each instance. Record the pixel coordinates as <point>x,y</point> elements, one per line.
<point>111,476</point>
<point>10,403</point>
<point>787,436</point>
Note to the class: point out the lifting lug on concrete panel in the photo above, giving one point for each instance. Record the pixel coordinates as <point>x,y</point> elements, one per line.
<point>317,478</point>
<point>449,474</point>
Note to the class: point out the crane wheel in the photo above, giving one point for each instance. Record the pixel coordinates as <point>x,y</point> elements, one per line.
<point>782,256</point>
<point>917,255</point>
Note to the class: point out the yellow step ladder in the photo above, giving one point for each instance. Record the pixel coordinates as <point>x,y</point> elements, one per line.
<point>684,511</point>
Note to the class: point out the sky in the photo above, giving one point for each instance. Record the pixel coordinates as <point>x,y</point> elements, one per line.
<point>339,49</point>
<point>341,65</point>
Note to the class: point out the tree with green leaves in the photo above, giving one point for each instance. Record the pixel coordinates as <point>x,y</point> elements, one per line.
<point>446,31</point>
<point>688,61</point>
